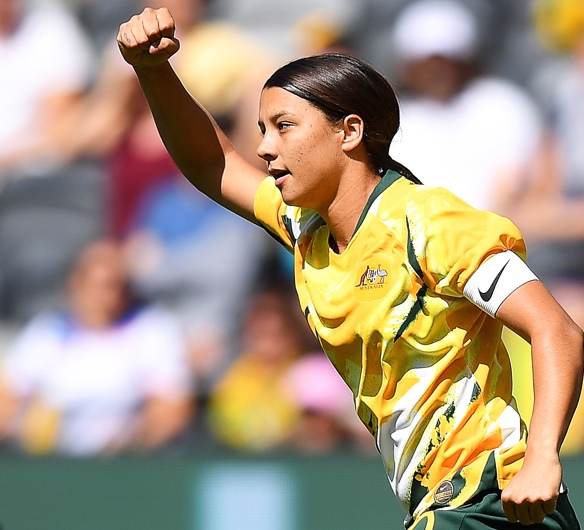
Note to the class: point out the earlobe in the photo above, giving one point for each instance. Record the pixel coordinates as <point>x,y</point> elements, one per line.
<point>353,129</point>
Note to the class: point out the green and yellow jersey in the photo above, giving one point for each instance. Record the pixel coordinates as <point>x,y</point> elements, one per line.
<point>429,373</point>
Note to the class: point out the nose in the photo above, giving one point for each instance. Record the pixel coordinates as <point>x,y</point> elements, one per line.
<point>266,150</point>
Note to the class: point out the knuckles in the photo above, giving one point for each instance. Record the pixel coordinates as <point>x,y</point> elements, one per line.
<point>151,26</point>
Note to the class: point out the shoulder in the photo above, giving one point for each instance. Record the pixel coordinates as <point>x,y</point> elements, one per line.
<point>436,213</point>
<point>406,199</point>
<point>150,317</point>
<point>286,223</point>
<point>39,340</point>
<point>56,323</point>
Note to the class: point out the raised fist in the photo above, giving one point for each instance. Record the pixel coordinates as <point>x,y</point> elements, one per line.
<point>148,39</point>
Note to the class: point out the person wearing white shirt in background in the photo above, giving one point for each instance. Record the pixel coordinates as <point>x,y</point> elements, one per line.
<point>40,87</point>
<point>50,200</point>
<point>102,376</point>
<point>477,132</point>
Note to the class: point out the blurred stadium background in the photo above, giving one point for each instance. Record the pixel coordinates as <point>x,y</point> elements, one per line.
<point>257,437</point>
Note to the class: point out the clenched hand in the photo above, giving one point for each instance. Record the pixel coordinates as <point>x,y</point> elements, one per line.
<point>148,39</point>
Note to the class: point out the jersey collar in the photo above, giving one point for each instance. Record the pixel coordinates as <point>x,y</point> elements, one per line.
<point>386,181</point>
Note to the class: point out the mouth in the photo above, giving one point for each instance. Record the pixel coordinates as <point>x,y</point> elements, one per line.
<point>279,174</point>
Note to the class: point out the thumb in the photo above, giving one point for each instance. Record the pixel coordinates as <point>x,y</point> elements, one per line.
<point>166,46</point>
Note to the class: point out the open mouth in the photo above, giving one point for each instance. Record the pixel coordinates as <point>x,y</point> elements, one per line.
<point>279,174</point>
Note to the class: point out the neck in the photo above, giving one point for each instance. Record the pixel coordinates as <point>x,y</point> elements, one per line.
<point>344,212</point>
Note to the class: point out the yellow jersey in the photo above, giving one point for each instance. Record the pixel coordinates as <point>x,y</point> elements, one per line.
<point>428,370</point>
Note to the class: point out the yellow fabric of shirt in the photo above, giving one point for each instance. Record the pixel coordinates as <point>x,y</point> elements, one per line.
<point>428,369</point>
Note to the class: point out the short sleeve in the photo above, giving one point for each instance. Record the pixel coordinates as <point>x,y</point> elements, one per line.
<point>450,239</point>
<point>274,215</point>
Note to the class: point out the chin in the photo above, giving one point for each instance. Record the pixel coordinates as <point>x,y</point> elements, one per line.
<point>293,200</point>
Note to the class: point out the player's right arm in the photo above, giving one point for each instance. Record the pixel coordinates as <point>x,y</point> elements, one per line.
<point>198,146</point>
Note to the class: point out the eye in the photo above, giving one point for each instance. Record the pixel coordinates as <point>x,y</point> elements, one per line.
<point>283,125</point>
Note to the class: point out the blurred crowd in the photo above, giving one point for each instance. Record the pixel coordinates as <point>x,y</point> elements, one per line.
<point>138,316</point>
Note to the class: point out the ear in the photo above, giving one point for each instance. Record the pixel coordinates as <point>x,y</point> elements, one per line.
<point>353,129</point>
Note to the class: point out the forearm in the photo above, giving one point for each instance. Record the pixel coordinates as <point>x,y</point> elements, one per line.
<point>200,149</point>
<point>191,136</point>
<point>557,374</point>
<point>557,358</point>
<point>557,354</point>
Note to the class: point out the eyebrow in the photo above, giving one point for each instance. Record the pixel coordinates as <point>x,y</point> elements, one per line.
<point>279,115</point>
<point>282,113</point>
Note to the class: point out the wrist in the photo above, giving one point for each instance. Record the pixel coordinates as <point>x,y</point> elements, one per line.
<point>148,69</point>
<point>547,450</point>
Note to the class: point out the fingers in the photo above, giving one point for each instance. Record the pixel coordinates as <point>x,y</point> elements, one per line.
<point>142,30</point>
<point>152,31</point>
<point>153,26</point>
<point>549,506</point>
<point>535,514</point>
<point>510,513</point>
<point>165,22</point>
<point>528,513</point>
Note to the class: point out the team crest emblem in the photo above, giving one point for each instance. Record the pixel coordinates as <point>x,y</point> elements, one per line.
<point>372,277</point>
<point>444,493</point>
<point>371,283</point>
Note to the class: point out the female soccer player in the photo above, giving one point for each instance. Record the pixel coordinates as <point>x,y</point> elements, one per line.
<point>406,287</point>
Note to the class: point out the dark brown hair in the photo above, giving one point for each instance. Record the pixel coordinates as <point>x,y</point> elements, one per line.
<point>339,85</point>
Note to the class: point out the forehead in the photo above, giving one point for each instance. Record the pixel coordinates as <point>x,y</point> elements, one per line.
<point>275,102</point>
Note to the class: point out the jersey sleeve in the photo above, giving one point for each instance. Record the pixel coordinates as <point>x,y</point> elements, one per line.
<point>449,240</point>
<point>280,220</point>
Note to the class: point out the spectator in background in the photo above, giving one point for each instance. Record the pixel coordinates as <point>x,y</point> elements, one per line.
<point>252,408</point>
<point>200,262</point>
<point>40,88</point>
<point>185,252</point>
<point>221,65</point>
<point>119,132</point>
<point>478,133</point>
<point>325,423</point>
<point>50,202</point>
<point>282,393</point>
<point>103,375</point>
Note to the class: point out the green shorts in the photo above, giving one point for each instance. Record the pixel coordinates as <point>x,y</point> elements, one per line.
<point>487,514</point>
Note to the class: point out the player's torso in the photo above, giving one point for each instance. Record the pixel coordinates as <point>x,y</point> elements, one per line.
<point>373,313</point>
<point>418,363</point>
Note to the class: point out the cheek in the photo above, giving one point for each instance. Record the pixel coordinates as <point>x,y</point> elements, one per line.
<point>315,150</point>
